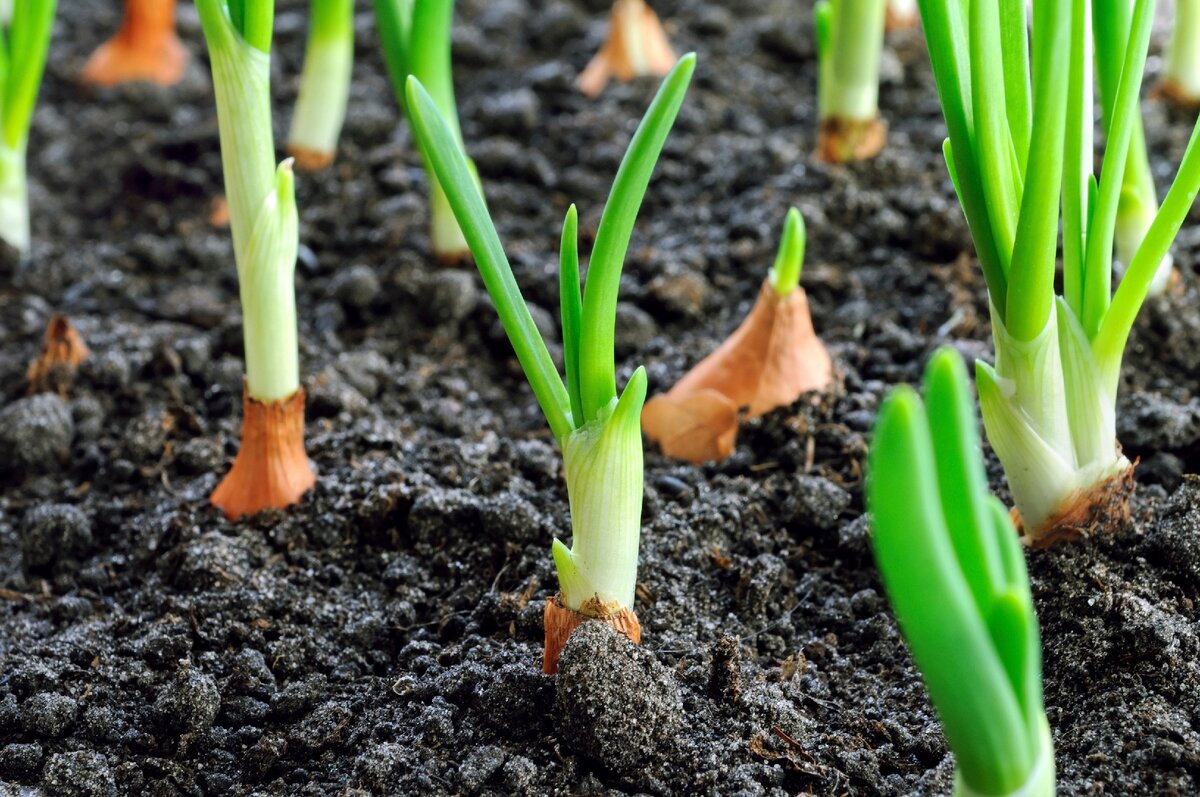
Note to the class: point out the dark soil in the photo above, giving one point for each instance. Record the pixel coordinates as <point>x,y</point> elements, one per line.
<point>384,636</point>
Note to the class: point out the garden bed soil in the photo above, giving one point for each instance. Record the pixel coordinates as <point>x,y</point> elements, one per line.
<point>384,636</point>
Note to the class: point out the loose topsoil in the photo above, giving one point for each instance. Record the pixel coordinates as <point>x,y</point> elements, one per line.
<point>383,637</point>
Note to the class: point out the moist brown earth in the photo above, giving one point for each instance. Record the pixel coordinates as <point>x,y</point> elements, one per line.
<point>384,636</point>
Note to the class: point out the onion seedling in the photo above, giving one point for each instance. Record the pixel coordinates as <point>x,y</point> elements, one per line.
<point>769,361</point>
<point>849,37</point>
<point>1049,403</point>
<point>23,47</point>
<point>955,575</point>
<point>1138,202</point>
<point>416,41</point>
<point>324,84</point>
<point>271,469</point>
<point>636,46</point>
<point>1181,76</point>
<point>145,48</point>
<point>597,430</point>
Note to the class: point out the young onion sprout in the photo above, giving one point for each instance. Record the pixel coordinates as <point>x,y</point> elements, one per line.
<point>596,428</point>
<point>271,469</point>
<point>145,48</point>
<point>416,42</point>
<point>636,46</point>
<point>770,360</point>
<point>955,575</point>
<point>1139,201</point>
<point>324,84</point>
<point>23,47</point>
<point>1049,402</point>
<point>849,37</point>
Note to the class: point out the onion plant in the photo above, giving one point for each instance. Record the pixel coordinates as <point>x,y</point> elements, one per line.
<point>271,469</point>
<point>416,41</point>
<point>849,37</point>
<point>145,48</point>
<point>1139,201</point>
<point>1181,77</point>
<point>1015,147</point>
<point>324,84</point>
<point>597,428</point>
<point>955,575</point>
<point>23,47</point>
<point>902,14</point>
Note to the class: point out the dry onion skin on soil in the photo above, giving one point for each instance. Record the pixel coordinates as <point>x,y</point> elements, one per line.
<point>415,35</point>
<point>145,47</point>
<point>769,361</point>
<point>1049,403</point>
<point>271,469</point>
<point>598,430</point>
<point>636,46</point>
<point>23,46</point>
<point>955,575</point>
<point>324,85</point>
<point>849,36</point>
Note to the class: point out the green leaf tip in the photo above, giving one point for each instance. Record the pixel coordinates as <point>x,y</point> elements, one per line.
<point>789,261</point>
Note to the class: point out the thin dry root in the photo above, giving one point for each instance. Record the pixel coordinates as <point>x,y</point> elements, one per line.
<point>310,160</point>
<point>145,48</point>
<point>769,361</point>
<point>561,621</point>
<point>62,351</point>
<point>636,46</point>
<point>271,470</point>
<point>844,140</point>
<point>1101,508</point>
<point>1173,92</point>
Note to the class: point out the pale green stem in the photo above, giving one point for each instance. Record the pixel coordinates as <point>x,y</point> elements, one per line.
<point>261,207</point>
<point>849,43</point>
<point>1183,53</point>
<point>14,199</point>
<point>325,82</point>
<point>1041,778</point>
<point>603,465</point>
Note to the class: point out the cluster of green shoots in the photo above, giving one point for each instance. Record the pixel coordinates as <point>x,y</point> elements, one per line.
<point>23,46</point>
<point>955,574</point>
<point>1019,142</point>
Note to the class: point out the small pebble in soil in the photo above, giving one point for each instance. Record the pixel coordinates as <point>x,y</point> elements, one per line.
<point>37,432</point>
<point>816,502</point>
<point>356,287</point>
<point>615,703</point>
<point>82,773</point>
<point>54,532</point>
<point>48,715</point>
<point>635,329</point>
<point>447,297</point>
<point>189,703</point>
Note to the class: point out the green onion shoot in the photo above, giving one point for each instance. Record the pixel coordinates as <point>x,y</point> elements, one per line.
<point>1049,401</point>
<point>324,84</point>
<point>597,428</point>
<point>849,37</point>
<point>1181,75</point>
<point>955,575</point>
<point>271,469</point>
<point>23,46</point>
<point>416,42</point>
<point>1139,200</point>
